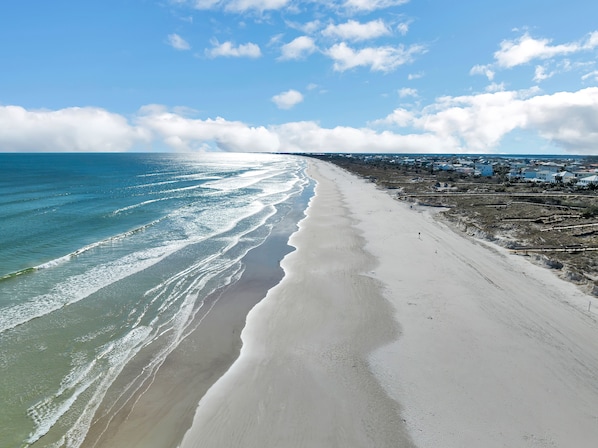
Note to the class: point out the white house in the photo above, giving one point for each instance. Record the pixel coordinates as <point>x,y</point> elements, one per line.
<point>564,176</point>
<point>545,175</point>
<point>587,181</point>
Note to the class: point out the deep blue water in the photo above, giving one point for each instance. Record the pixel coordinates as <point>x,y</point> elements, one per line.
<point>105,255</point>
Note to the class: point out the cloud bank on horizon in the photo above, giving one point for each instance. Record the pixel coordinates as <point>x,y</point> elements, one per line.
<point>407,76</point>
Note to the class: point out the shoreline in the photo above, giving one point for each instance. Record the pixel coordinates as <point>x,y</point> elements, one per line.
<point>158,414</point>
<point>388,328</point>
<point>391,329</point>
<point>303,376</point>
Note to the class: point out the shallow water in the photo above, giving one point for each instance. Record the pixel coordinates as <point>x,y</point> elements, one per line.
<point>105,256</point>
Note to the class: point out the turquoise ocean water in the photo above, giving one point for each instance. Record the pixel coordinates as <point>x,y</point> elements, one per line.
<point>105,256</point>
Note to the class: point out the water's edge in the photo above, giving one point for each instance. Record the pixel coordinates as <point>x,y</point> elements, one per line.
<point>159,413</point>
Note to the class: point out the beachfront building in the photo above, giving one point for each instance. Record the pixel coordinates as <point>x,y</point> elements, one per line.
<point>588,181</point>
<point>564,176</point>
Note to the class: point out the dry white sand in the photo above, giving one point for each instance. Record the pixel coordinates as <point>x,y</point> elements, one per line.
<point>470,345</point>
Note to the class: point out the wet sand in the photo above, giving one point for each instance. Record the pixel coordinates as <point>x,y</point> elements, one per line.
<point>303,378</point>
<point>159,413</point>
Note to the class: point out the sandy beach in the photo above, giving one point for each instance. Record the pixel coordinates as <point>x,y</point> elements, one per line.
<point>390,329</point>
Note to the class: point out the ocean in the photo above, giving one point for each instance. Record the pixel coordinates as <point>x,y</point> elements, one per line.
<point>107,259</point>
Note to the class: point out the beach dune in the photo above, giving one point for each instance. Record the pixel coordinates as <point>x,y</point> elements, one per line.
<point>389,329</point>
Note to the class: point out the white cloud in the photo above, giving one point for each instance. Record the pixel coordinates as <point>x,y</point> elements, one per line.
<point>403,28</point>
<point>187,134</point>
<point>192,134</point>
<point>227,49</point>
<point>383,59</point>
<point>288,99</point>
<point>540,73</point>
<point>355,31</point>
<point>399,117</point>
<point>495,87</point>
<point>177,42</point>
<point>372,5</point>
<point>525,49</point>
<point>482,70</point>
<point>407,91</point>
<point>74,129</point>
<point>479,122</point>
<point>308,136</point>
<point>307,28</point>
<point>412,76</point>
<point>471,123</point>
<point>298,48</point>
<point>593,74</point>
<point>274,40</point>
<point>569,119</point>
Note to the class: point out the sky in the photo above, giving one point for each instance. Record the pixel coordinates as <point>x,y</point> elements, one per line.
<point>380,76</point>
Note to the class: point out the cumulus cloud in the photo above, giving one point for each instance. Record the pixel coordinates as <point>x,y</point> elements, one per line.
<point>227,49</point>
<point>74,129</point>
<point>540,74</point>
<point>188,134</point>
<point>298,48</point>
<point>355,31</point>
<point>308,136</point>
<point>479,122</point>
<point>384,59</point>
<point>177,42</point>
<point>399,117</point>
<point>568,119</point>
<point>288,99</point>
<point>482,70</point>
<point>469,123</point>
<point>526,48</point>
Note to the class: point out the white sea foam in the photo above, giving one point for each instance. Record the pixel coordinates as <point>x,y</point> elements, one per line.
<point>78,287</point>
<point>84,375</point>
<point>230,184</point>
<point>178,190</point>
<point>47,412</point>
<point>140,204</point>
<point>165,314</point>
<point>153,184</point>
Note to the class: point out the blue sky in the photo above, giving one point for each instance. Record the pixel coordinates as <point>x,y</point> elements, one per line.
<point>290,75</point>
